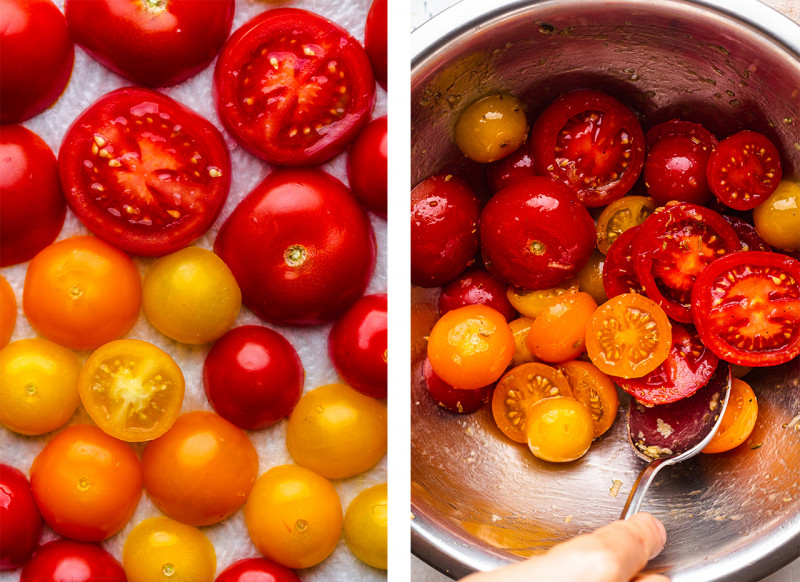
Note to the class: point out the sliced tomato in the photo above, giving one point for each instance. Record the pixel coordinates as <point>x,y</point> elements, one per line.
<point>143,172</point>
<point>622,215</point>
<point>672,248</point>
<point>688,367</point>
<point>594,389</point>
<point>746,307</point>
<point>293,88</point>
<point>744,170</point>
<point>592,142</point>
<point>619,273</point>
<point>521,387</point>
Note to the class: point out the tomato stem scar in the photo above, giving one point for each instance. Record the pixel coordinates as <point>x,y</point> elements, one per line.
<point>295,255</point>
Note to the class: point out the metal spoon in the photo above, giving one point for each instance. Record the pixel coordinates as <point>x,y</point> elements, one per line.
<point>670,433</point>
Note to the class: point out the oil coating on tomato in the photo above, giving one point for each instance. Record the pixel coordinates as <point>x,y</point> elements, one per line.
<point>8,312</point>
<point>453,399</point>
<point>367,166</point>
<point>38,54</point>
<point>293,88</point>
<point>257,570</point>
<point>71,560</point>
<point>536,233</point>
<point>151,42</point>
<point>22,523</point>
<point>746,307</point>
<point>300,247</point>
<point>619,273</point>
<point>592,142</point>
<point>513,168</point>
<point>32,208</point>
<point>476,286</point>
<point>143,172</point>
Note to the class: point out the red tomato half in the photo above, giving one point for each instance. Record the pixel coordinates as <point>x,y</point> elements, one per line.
<point>22,523</point>
<point>671,249</point>
<point>257,570</point>
<point>536,233</point>
<point>619,273</point>
<point>293,88</point>
<point>746,307</point>
<point>143,172</point>
<point>300,247</point>
<point>590,141</point>
<point>68,560</point>
<point>375,33</point>
<point>32,208</point>
<point>153,43</point>
<point>367,166</point>
<point>253,377</point>
<point>38,54</point>
<point>688,367</point>
<point>358,345</point>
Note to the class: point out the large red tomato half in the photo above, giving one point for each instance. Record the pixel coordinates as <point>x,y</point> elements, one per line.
<point>151,42</point>
<point>32,208</point>
<point>300,246</point>
<point>38,54</point>
<point>143,172</point>
<point>293,88</point>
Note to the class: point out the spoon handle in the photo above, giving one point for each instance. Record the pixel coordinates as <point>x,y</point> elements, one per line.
<point>641,486</point>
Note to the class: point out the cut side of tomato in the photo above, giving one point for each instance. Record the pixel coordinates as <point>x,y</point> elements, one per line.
<point>738,421</point>
<point>619,216</point>
<point>688,367</point>
<point>671,249</point>
<point>594,389</point>
<point>619,273</point>
<point>746,307</point>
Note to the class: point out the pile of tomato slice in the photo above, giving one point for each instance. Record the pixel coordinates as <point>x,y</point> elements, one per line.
<point>642,259</point>
<point>140,192</point>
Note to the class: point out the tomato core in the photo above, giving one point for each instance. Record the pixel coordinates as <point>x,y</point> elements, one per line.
<point>295,255</point>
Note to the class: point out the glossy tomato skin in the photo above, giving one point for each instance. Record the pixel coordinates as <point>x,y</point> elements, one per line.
<point>38,54</point>
<point>257,570</point>
<point>32,208</point>
<point>282,99</point>
<point>300,247</point>
<point>375,34</point>
<point>163,171</point>
<point>444,229</point>
<point>367,166</point>
<point>253,377</point>
<point>675,169</point>
<point>592,142</point>
<point>513,168</point>
<point>536,233</point>
<point>619,273</point>
<point>22,523</point>
<point>358,345</point>
<point>151,43</point>
<point>476,286</point>
<point>748,235</point>
<point>454,399</point>
<point>69,560</point>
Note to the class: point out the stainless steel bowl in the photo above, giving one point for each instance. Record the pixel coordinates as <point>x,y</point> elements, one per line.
<point>479,500</point>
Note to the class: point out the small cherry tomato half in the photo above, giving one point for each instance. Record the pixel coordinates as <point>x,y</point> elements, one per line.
<point>558,430</point>
<point>191,296</point>
<point>294,516</point>
<point>337,432</point>
<point>444,229</point>
<point>688,367</point>
<point>300,247</point>
<point>746,307</point>
<point>257,570</point>
<point>366,525</point>
<point>66,295</point>
<point>738,421</point>
<point>153,43</point>
<point>367,165</point>
<point>38,386</point>
<point>531,302</point>
<point>776,219</point>
<point>453,399</point>
<point>619,272</point>
<point>470,347</point>
<point>160,548</point>
<point>591,142</point>
<point>521,327</point>
<point>375,33</point>
<point>143,172</point>
<point>293,88</point>
<point>201,470</point>
<point>253,377</point>
<point>620,216</point>
<point>520,388</point>
<point>22,523</point>
<point>628,336</point>
<point>32,208</point>
<point>536,233</point>
<point>132,389</point>
<point>86,483</point>
<point>590,277</point>
<point>358,345</point>
<point>744,170</point>
<point>476,286</point>
<point>71,560</point>
<point>38,55</point>
<point>595,390</point>
<point>491,128</point>
<point>558,332</point>
<point>8,312</point>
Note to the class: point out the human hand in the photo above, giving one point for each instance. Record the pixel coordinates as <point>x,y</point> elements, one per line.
<point>614,553</point>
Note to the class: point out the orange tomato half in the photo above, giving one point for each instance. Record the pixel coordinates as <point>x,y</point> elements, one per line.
<point>738,421</point>
<point>558,333</point>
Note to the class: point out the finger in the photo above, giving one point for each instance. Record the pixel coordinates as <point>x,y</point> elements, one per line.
<point>650,578</point>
